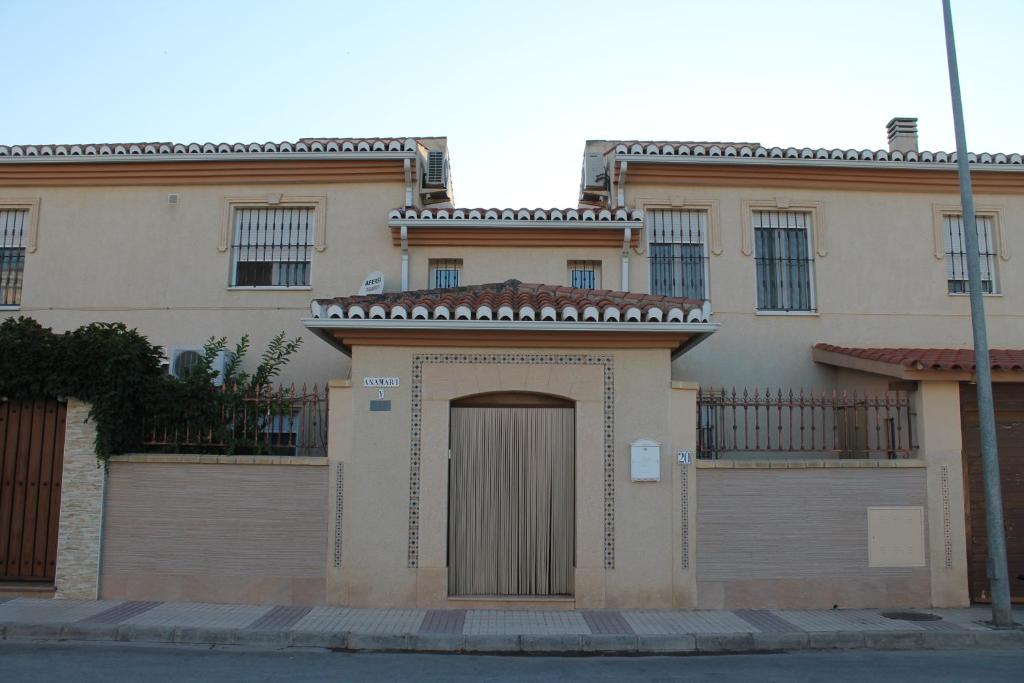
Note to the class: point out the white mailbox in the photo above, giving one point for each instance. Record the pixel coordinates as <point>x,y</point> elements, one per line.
<point>645,460</point>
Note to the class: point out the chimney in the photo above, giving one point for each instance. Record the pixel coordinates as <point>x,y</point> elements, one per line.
<point>902,134</point>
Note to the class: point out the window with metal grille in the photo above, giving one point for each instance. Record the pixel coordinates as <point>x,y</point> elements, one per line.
<point>678,254</point>
<point>445,273</point>
<point>956,254</point>
<point>785,260</point>
<point>12,255</point>
<point>272,247</point>
<point>585,274</point>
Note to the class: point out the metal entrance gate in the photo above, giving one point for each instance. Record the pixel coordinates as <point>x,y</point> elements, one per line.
<point>511,500</point>
<point>31,464</point>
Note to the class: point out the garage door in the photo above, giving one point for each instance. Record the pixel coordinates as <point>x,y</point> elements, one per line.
<point>1009,401</point>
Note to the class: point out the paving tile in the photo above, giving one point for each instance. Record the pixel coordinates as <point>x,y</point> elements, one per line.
<point>195,614</point>
<point>280,617</point>
<point>940,626</point>
<point>51,611</point>
<point>607,621</point>
<point>119,613</point>
<point>326,619</point>
<point>845,620</point>
<point>766,621</point>
<point>652,622</point>
<point>523,622</point>
<point>368,621</point>
<point>449,621</point>
<point>974,618</point>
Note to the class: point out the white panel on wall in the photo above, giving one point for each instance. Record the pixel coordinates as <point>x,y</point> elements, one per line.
<point>896,536</point>
<point>645,460</point>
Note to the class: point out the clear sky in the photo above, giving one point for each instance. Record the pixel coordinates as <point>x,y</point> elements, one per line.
<point>516,86</point>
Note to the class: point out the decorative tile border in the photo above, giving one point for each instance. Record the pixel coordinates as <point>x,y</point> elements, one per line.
<point>947,531</point>
<point>415,453</point>
<point>684,507</point>
<point>339,504</point>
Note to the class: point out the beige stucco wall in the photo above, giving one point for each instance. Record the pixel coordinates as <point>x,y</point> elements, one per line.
<point>246,529</point>
<point>373,448</point>
<point>545,265</point>
<point>798,537</point>
<point>938,409</point>
<point>879,284</point>
<point>124,254</point>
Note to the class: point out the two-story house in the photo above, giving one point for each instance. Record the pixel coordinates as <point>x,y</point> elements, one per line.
<point>556,381</point>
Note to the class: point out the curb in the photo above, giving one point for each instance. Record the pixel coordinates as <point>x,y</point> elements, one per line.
<point>587,644</point>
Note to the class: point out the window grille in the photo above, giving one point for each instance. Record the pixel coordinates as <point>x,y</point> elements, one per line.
<point>956,254</point>
<point>678,252</point>
<point>785,261</point>
<point>585,274</point>
<point>272,247</point>
<point>12,255</point>
<point>445,273</point>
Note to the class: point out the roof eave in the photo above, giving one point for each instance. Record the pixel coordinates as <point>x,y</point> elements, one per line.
<point>821,163</point>
<point>323,328</point>
<point>512,223</point>
<point>224,156</point>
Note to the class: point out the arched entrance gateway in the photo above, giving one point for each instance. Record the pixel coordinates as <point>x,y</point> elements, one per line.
<point>511,495</point>
<point>482,450</point>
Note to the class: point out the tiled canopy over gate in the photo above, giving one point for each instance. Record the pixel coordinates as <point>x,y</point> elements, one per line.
<point>513,300</point>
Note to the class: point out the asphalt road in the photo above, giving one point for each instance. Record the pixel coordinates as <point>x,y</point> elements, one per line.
<point>85,663</point>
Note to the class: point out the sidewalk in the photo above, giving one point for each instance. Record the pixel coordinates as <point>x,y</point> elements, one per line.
<point>497,631</point>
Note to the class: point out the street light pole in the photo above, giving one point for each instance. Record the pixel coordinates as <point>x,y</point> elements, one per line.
<point>997,568</point>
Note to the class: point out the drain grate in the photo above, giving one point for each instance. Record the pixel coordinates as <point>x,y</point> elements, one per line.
<point>911,616</point>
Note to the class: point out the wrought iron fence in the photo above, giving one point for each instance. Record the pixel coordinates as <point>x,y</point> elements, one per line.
<point>265,421</point>
<point>834,423</point>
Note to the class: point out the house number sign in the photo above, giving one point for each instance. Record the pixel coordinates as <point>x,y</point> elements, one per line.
<point>380,382</point>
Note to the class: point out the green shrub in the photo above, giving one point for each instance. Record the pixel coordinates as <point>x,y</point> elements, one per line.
<point>118,372</point>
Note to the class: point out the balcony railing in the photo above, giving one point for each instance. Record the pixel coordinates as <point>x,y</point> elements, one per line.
<point>751,423</point>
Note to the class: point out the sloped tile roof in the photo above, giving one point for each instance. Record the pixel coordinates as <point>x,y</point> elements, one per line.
<point>932,359</point>
<point>156,149</point>
<point>523,214</point>
<point>513,300</point>
<point>757,151</point>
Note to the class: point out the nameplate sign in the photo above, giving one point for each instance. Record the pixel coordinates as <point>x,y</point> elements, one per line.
<point>380,382</point>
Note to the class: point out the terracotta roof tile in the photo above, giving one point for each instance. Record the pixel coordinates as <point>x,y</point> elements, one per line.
<point>743,150</point>
<point>589,304</point>
<point>174,149</point>
<point>510,215</point>
<point>932,359</point>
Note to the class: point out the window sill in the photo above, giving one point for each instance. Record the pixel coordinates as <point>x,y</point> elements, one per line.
<point>270,288</point>
<point>10,307</point>
<point>966,295</point>
<point>812,314</point>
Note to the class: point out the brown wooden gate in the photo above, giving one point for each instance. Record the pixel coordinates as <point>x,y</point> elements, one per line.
<point>31,464</point>
<point>1009,404</point>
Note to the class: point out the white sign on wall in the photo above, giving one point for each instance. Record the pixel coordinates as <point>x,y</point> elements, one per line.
<point>380,382</point>
<point>373,284</point>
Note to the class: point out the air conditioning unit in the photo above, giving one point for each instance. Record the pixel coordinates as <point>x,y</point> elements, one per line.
<point>436,174</point>
<point>595,177</point>
<point>181,360</point>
